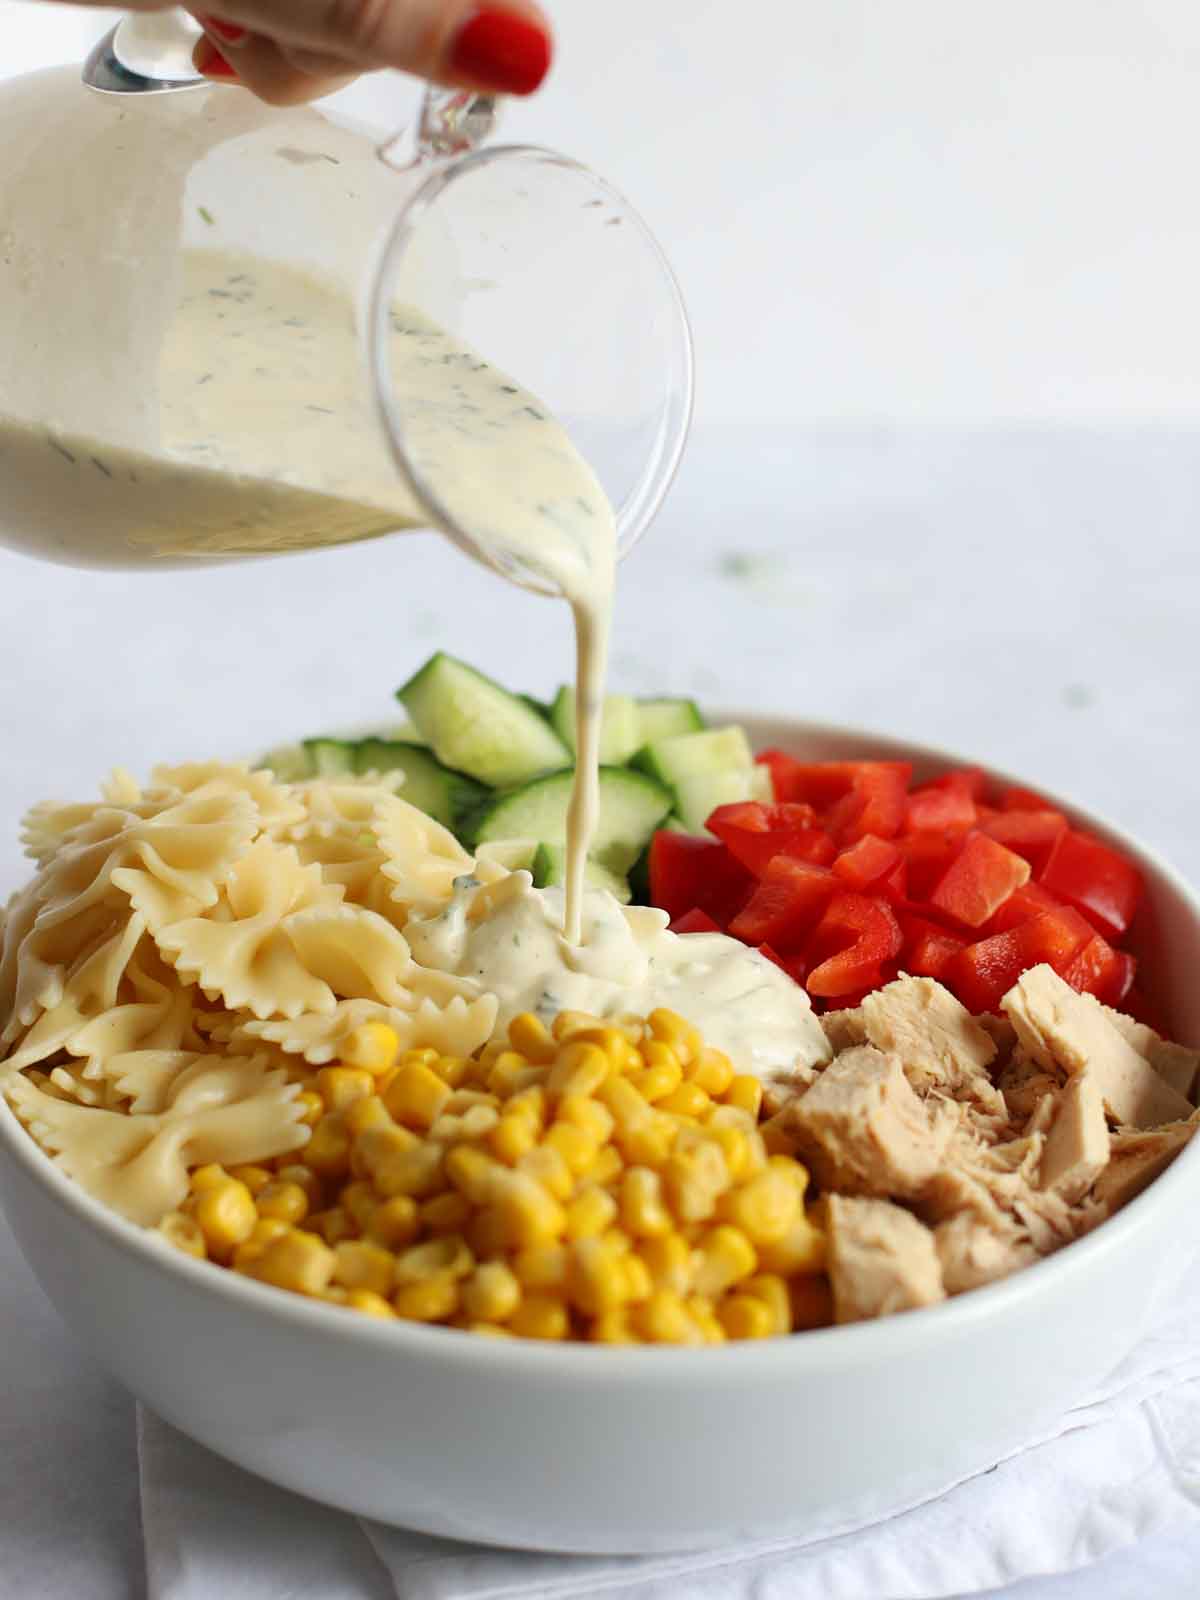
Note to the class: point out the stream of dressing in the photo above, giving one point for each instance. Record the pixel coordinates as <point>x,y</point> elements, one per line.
<point>268,442</point>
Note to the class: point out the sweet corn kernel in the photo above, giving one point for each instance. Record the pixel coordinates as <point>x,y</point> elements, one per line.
<point>529,1213</point>
<point>713,1072</point>
<point>417,1096</point>
<point>590,1213</point>
<point>445,1213</point>
<point>373,1046</point>
<point>773,1292</point>
<point>765,1208</point>
<point>669,1261</point>
<point>670,1029</point>
<point>454,1070</point>
<point>394,1222</point>
<point>266,1229</point>
<point>478,1122</point>
<point>429,1300</point>
<point>286,1202</point>
<point>694,1179</point>
<point>548,1167</point>
<point>700,1309</point>
<point>511,1071</point>
<point>361,1265</point>
<point>541,1266</point>
<point>568,1022</point>
<point>312,1107</point>
<point>512,1136</point>
<point>487,1234</point>
<point>746,1094</point>
<point>492,1293</point>
<point>464,1100</point>
<point>530,1037</point>
<point>225,1215</point>
<point>581,1111</point>
<point>724,1257</point>
<point>735,1147</point>
<point>528,1102</point>
<point>359,1202</point>
<point>638,1284</point>
<point>297,1261</point>
<point>328,1151</point>
<point>418,1172</point>
<point>448,1257</point>
<point>744,1317</point>
<point>665,1319</point>
<point>800,1250</point>
<point>540,1316</point>
<point>580,1068</point>
<point>369,1304</point>
<point>333,1225</point>
<point>627,1106</point>
<point>491,1330</point>
<point>255,1178</point>
<point>205,1177</point>
<point>812,1302</point>
<point>340,1087</point>
<point>643,1212</point>
<point>606,1168</point>
<point>688,1100</point>
<point>297,1172</point>
<point>184,1233</point>
<point>577,1147</point>
<point>613,1327</point>
<point>648,1143</point>
<point>472,1173</point>
<point>369,1112</point>
<point>657,1082</point>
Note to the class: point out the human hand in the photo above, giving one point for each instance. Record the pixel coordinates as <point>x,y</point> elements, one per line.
<point>290,51</point>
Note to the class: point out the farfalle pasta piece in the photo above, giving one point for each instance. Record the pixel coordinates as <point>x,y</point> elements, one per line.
<point>359,955</point>
<point>341,805</point>
<point>242,953</point>
<point>423,859</point>
<point>458,1026</point>
<point>230,1110</point>
<point>158,1015</point>
<point>278,805</point>
<point>90,990</point>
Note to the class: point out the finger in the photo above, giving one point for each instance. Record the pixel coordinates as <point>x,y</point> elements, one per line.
<point>281,78</point>
<point>502,46</point>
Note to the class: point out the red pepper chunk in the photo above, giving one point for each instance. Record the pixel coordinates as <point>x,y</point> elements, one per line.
<point>1088,874</point>
<point>978,881</point>
<point>928,856</point>
<point>1100,970</point>
<point>696,921</point>
<point>785,904</point>
<point>754,833</point>
<point>794,966</point>
<point>947,802</point>
<point>851,944</point>
<point>983,973</point>
<point>1017,799</point>
<point>1025,903</point>
<point>852,798</point>
<point>870,865</point>
<point>1032,834</point>
<point>690,874</point>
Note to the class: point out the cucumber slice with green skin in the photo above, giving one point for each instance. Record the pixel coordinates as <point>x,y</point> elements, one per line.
<point>666,719</point>
<point>475,726</point>
<point>445,796</point>
<point>693,755</point>
<point>290,763</point>
<point>697,798</point>
<point>330,758</point>
<point>550,870</point>
<point>514,855</point>
<point>620,730</point>
<point>632,805</point>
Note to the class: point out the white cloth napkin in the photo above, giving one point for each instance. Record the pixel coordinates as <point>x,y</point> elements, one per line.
<point>1121,1468</point>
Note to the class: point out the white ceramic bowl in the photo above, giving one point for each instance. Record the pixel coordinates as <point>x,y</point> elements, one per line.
<point>622,1449</point>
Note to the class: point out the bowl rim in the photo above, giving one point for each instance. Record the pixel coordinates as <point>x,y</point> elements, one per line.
<point>819,1349</point>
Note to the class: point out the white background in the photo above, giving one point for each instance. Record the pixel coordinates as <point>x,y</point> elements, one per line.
<point>942,259</point>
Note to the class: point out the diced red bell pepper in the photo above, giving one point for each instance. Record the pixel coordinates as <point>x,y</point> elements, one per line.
<point>754,833</point>
<point>931,953</point>
<point>928,855</point>
<point>689,874</point>
<point>1032,834</point>
<point>786,903</point>
<point>982,974</point>
<point>978,881</point>
<point>1025,903</point>
<point>1015,798</point>
<point>820,783</point>
<point>1100,970</point>
<point>795,966</point>
<point>856,936</point>
<point>852,797</point>
<point>1101,882</point>
<point>870,865</point>
<point>695,921</point>
<point>881,972</point>
<point>947,802</point>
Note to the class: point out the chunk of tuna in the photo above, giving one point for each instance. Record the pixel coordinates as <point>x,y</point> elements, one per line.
<point>1024,1083</point>
<point>972,1254</point>
<point>1179,1066</point>
<point>862,1130</point>
<point>844,1029</point>
<point>935,1036</point>
<point>1137,1158</point>
<point>880,1259</point>
<point>1059,1028</point>
<point>1077,1145</point>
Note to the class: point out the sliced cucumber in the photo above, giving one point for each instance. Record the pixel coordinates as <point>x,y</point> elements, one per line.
<point>511,854</point>
<point>290,763</point>
<point>664,719</point>
<point>762,785</point>
<point>632,805</point>
<point>620,728</point>
<point>691,755</point>
<point>330,758</point>
<point>444,795</point>
<point>475,726</point>
<point>550,868</point>
<point>697,798</point>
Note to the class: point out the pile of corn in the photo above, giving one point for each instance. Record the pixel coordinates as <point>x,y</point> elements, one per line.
<point>603,1182</point>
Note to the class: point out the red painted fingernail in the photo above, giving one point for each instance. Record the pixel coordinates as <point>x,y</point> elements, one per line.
<point>229,31</point>
<point>503,51</point>
<point>210,63</point>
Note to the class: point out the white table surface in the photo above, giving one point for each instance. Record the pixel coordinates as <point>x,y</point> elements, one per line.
<point>1029,597</point>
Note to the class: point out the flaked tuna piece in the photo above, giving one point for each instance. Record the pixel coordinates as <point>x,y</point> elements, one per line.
<point>1077,1145</point>
<point>1137,1158</point>
<point>1059,1028</point>
<point>1175,1063</point>
<point>880,1259</point>
<point>844,1029</point>
<point>936,1037</point>
<point>1024,1083</point>
<point>862,1130</point>
<point>1002,1034</point>
<point>972,1253</point>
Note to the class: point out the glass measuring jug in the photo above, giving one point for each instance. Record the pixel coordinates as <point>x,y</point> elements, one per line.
<point>109,457</point>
